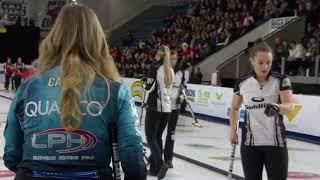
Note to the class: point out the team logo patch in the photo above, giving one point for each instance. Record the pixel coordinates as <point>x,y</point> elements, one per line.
<point>257,99</point>
<point>66,141</point>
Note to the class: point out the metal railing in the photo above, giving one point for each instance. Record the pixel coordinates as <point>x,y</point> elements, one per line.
<point>307,72</point>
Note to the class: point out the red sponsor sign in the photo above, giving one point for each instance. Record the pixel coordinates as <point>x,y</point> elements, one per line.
<point>303,175</point>
<point>6,173</point>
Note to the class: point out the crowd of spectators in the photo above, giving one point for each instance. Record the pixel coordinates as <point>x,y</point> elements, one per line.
<point>300,56</point>
<point>208,26</point>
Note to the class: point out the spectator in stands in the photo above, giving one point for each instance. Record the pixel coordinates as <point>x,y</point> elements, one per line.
<point>226,39</point>
<point>299,8</point>
<point>310,29</point>
<point>185,50</point>
<point>195,76</point>
<point>122,69</point>
<point>141,46</point>
<point>316,33</point>
<point>231,5</point>
<point>136,57</point>
<point>248,19</point>
<point>281,53</point>
<point>139,71</point>
<point>192,58</point>
<point>129,71</point>
<point>129,57</point>
<point>116,53</point>
<point>214,24</point>
<point>204,51</point>
<point>283,8</point>
<point>308,63</point>
<point>276,64</point>
<point>271,10</point>
<point>278,42</point>
<point>296,55</point>
<point>259,16</point>
<point>310,13</point>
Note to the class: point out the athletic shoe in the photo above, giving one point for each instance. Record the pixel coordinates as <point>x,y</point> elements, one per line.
<point>162,172</point>
<point>152,173</point>
<point>169,164</point>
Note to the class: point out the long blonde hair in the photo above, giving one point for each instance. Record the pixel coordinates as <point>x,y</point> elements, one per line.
<point>77,43</point>
<point>164,53</point>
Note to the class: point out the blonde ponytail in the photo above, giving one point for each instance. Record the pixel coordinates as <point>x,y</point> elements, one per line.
<point>164,53</point>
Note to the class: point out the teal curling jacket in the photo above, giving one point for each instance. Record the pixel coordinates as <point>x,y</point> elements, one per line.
<point>36,140</point>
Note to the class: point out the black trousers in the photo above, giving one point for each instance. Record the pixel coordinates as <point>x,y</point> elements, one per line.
<point>275,159</point>
<point>17,82</point>
<point>7,81</point>
<point>155,123</point>
<point>171,130</point>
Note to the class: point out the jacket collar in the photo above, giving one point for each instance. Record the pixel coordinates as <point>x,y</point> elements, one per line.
<point>255,75</point>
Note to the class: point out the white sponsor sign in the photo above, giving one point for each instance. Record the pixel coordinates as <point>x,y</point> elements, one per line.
<point>136,88</point>
<point>10,11</point>
<point>207,100</point>
<point>276,23</point>
<point>307,120</point>
<point>52,11</point>
<point>216,102</point>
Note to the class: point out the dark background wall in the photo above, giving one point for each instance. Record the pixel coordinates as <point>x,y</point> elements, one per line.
<point>19,41</point>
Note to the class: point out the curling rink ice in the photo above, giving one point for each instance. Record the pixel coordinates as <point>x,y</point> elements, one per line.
<point>203,147</point>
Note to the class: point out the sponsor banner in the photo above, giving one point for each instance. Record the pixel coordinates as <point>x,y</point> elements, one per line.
<point>10,10</point>
<point>276,23</point>
<point>216,101</point>
<point>305,117</point>
<point>136,88</point>
<point>209,100</point>
<point>6,175</point>
<point>52,11</point>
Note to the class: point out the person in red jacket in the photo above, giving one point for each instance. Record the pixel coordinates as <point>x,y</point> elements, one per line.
<point>29,73</point>
<point>8,71</point>
<point>18,74</point>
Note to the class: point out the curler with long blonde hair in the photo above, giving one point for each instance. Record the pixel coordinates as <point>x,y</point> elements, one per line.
<point>164,54</point>
<point>77,43</point>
